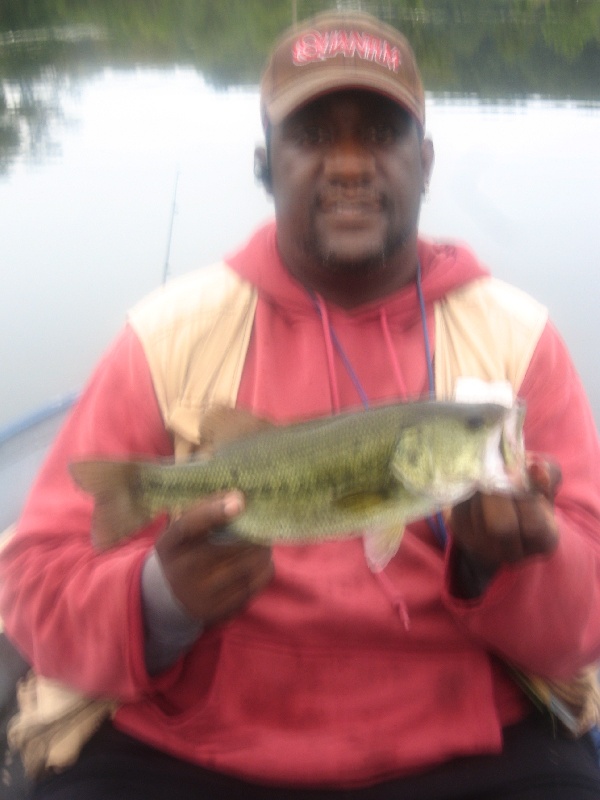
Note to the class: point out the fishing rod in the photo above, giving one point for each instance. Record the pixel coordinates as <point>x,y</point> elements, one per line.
<point>170,236</point>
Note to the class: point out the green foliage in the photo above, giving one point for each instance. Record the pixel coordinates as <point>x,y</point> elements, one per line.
<point>229,40</point>
<point>490,49</point>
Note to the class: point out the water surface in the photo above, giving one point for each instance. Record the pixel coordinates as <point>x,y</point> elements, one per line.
<point>104,113</point>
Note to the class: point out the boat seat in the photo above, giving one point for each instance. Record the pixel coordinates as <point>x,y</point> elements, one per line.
<point>13,784</point>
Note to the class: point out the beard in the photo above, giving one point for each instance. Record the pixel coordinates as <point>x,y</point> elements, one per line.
<point>359,263</point>
<point>337,264</point>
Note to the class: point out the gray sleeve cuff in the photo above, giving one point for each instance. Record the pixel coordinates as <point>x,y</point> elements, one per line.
<point>169,629</point>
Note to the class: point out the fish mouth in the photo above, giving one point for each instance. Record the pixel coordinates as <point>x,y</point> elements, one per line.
<point>512,447</point>
<point>505,454</point>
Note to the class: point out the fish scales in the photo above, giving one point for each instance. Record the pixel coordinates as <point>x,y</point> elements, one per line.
<point>303,466</point>
<point>369,449</point>
<point>302,458</point>
<point>368,472</point>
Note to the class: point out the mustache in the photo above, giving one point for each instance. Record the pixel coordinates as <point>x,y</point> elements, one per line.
<point>363,197</point>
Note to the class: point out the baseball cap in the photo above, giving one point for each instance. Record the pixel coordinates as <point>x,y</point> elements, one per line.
<point>340,50</point>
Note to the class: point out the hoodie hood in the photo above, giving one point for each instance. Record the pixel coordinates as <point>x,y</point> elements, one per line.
<point>444,267</point>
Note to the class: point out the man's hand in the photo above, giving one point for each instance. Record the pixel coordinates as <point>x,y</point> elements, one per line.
<point>212,580</point>
<point>491,530</point>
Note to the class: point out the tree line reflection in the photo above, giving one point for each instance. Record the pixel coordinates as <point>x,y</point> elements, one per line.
<point>497,50</point>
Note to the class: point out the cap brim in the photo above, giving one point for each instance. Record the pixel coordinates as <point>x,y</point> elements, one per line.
<point>338,78</point>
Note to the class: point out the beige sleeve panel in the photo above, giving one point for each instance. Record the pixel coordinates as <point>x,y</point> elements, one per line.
<point>195,333</point>
<point>488,330</point>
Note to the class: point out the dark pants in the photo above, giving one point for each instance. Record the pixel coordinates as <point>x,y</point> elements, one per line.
<point>535,765</point>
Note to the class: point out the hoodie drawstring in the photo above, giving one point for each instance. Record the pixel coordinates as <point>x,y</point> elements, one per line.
<point>383,321</point>
<point>330,339</point>
<point>396,598</point>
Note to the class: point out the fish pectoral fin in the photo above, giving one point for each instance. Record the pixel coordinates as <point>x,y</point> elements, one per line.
<point>222,425</point>
<point>381,545</point>
<point>359,501</point>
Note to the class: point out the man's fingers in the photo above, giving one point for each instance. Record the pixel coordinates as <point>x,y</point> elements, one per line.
<point>211,573</point>
<point>200,520</point>
<point>545,476</point>
<point>538,527</point>
<point>497,529</point>
<point>488,529</point>
<point>499,517</point>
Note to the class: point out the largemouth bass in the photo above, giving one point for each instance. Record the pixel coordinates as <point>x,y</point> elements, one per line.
<point>365,473</point>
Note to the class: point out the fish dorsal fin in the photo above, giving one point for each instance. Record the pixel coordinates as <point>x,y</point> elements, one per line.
<point>381,545</point>
<point>222,425</point>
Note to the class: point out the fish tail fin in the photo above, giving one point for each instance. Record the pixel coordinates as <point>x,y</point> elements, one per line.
<point>118,511</point>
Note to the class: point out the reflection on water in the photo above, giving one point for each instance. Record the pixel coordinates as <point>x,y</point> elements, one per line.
<point>102,108</point>
<point>496,49</point>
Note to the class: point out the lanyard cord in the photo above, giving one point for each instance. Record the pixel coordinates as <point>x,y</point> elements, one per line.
<point>436,523</point>
<point>428,358</point>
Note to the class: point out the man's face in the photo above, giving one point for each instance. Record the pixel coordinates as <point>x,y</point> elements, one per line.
<point>348,171</point>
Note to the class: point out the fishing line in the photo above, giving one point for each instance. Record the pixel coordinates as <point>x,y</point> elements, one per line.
<point>170,235</point>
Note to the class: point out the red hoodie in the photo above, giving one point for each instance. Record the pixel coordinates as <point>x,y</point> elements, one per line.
<point>321,681</point>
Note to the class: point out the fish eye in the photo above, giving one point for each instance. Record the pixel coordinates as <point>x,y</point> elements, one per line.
<point>474,422</point>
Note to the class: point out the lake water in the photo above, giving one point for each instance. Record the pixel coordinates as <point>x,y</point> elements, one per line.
<point>85,214</point>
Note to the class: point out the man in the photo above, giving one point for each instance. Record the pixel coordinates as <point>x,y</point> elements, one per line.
<point>242,671</point>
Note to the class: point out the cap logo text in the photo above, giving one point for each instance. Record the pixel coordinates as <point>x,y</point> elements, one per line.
<point>316,46</point>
